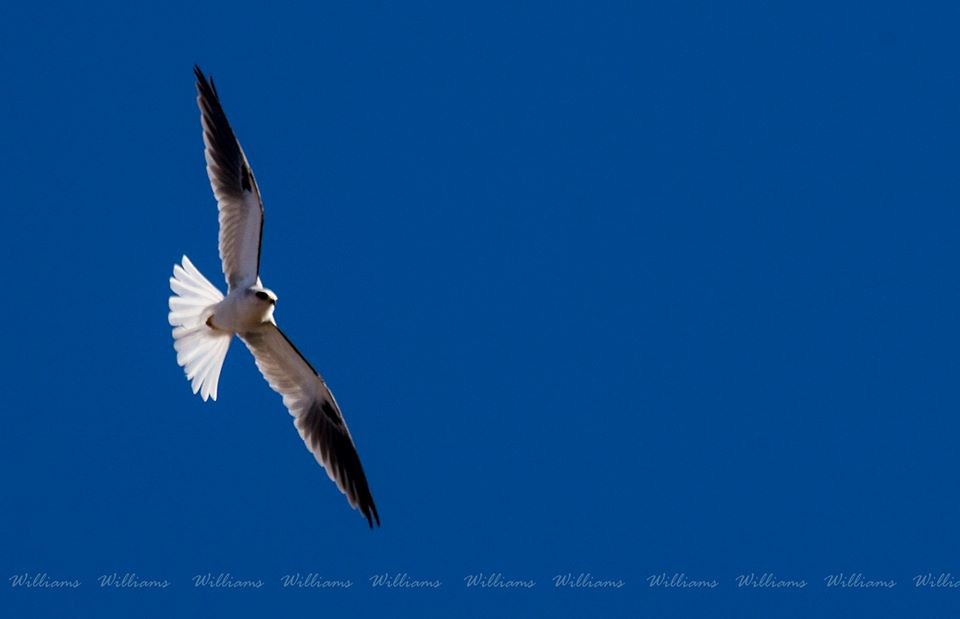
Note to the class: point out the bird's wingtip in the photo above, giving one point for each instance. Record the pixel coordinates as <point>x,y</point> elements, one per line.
<point>372,515</point>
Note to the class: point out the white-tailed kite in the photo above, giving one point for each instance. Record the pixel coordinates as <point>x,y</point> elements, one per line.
<point>205,321</point>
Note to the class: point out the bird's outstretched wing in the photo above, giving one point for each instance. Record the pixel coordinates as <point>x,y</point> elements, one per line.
<point>238,198</point>
<point>315,412</point>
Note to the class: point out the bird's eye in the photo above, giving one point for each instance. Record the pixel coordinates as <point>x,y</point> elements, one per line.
<point>262,295</point>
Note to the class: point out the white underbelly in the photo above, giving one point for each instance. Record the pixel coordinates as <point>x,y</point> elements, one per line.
<point>239,313</point>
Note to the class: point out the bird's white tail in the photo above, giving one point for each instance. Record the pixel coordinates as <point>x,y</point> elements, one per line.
<point>200,348</point>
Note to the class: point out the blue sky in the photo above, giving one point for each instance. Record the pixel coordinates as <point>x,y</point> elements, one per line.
<point>622,289</point>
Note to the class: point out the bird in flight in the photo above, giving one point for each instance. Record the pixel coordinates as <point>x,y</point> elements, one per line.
<point>204,321</point>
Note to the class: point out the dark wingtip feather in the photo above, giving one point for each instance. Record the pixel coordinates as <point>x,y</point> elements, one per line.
<point>202,83</point>
<point>370,511</point>
<point>232,171</point>
<point>376,516</point>
<point>326,434</point>
<point>205,85</point>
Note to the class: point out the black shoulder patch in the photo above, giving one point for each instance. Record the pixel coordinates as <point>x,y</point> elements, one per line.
<point>245,181</point>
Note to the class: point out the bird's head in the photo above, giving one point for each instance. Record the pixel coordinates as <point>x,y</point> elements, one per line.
<point>263,295</point>
<point>265,300</point>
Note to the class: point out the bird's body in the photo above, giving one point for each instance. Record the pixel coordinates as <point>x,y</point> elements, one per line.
<point>205,321</point>
<point>243,310</point>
